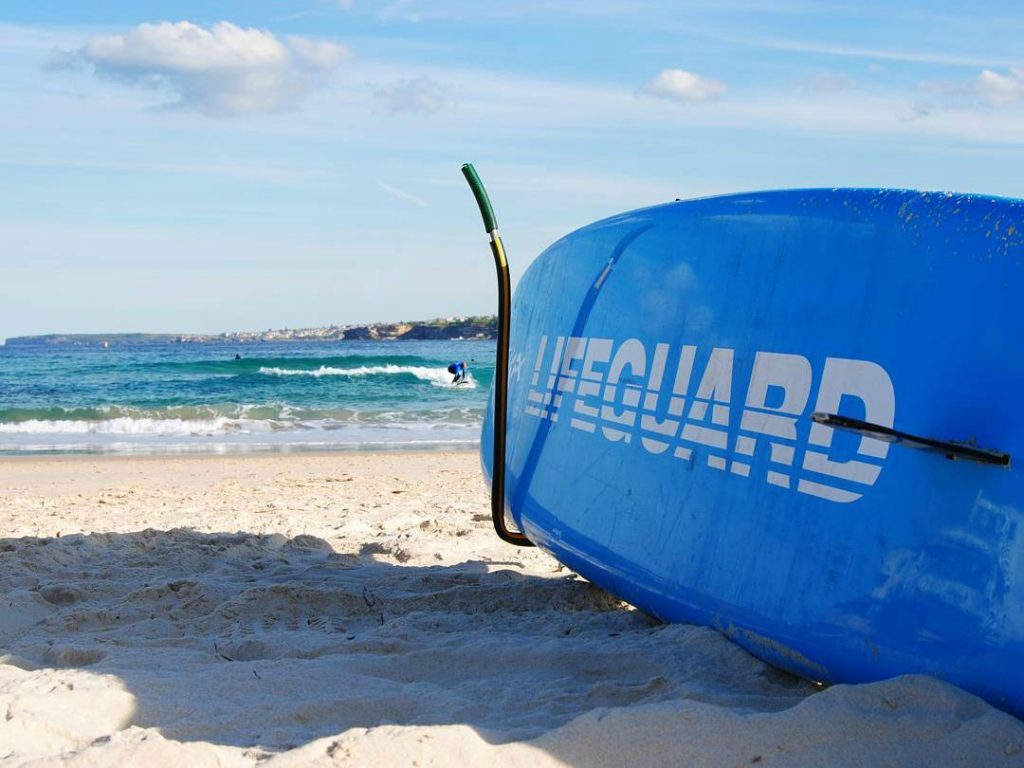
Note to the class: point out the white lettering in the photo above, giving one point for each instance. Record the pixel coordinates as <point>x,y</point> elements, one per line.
<point>792,375</point>
<point>606,386</point>
<point>631,355</point>
<point>869,383</point>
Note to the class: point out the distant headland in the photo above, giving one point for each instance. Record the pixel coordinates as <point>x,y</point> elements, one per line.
<point>451,328</point>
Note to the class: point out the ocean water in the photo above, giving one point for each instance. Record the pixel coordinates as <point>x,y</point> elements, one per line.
<point>178,398</point>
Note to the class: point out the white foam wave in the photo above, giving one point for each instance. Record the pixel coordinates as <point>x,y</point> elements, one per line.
<point>130,426</point>
<point>439,377</point>
<point>142,428</point>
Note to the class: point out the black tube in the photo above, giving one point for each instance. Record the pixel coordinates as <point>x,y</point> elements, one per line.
<point>500,365</point>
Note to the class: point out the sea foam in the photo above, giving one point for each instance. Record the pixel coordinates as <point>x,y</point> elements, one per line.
<point>439,377</point>
<point>130,426</point>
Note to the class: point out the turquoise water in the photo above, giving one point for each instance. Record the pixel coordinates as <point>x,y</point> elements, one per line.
<point>172,398</point>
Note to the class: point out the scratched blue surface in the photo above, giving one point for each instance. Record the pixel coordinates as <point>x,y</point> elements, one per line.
<point>838,558</point>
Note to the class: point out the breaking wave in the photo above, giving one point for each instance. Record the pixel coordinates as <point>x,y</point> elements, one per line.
<point>110,428</point>
<point>214,419</point>
<point>130,426</point>
<point>439,377</point>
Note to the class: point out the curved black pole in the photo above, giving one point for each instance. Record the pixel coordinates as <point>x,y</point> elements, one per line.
<point>500,363</point>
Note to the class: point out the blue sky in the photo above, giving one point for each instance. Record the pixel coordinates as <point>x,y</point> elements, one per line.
<point>208,166</point>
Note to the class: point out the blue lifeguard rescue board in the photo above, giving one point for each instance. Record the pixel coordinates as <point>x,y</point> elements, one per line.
<point>665,365</point>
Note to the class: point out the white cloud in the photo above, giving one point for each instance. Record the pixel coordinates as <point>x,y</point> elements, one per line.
<point>417,95</point>
<point>831,81</point>
<point>402,194</point>
<point>317,54</point>
<point>990,89</point>
<point>999,90</point>
<point>683,86</point>
<point>880,54</point>
<point>222,70</point>
<point>916,111</point>
<point>416,11</point>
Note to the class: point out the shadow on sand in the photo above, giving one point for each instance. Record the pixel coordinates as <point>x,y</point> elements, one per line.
<point>245,639</point>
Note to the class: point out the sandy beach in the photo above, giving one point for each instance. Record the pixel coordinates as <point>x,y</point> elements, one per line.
<point>356,609</point>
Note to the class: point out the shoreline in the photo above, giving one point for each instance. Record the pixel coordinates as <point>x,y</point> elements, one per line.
<point>418,451</point>
<point>141,451</point>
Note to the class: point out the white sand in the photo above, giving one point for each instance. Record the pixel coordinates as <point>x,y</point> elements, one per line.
<point>356,609</point>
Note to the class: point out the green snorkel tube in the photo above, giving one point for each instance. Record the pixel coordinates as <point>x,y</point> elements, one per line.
<point>500,362</point>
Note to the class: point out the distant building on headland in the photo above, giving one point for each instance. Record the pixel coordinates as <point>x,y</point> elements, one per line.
<point>478,327</point>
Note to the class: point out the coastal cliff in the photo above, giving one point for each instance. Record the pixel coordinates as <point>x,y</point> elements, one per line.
<point>479,327</point>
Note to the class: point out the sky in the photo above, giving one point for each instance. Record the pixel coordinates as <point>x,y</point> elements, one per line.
<point>204,165</point>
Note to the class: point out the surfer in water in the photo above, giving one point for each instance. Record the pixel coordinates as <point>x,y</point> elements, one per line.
<point>458,370</point>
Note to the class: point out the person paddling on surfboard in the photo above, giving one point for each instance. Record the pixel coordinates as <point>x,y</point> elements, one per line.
<point>459,371</point>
